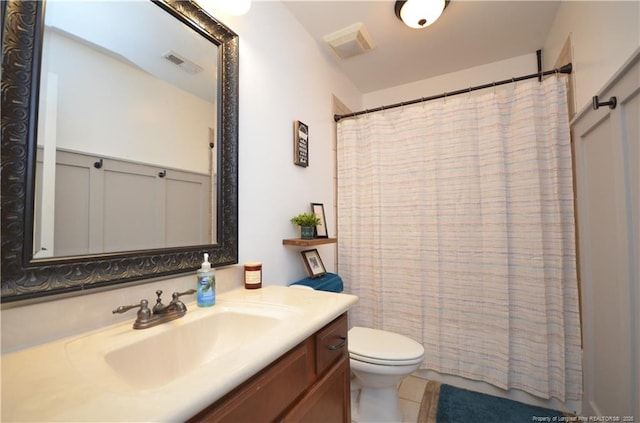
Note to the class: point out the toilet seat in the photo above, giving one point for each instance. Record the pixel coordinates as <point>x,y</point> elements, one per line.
<point>384,348</point>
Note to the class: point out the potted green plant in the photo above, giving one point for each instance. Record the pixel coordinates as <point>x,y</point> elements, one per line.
<point>307,223</point>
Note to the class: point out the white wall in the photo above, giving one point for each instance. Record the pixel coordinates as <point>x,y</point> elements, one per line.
<point>604,35</point>
<point>479,75</point>
<point>283,76</point>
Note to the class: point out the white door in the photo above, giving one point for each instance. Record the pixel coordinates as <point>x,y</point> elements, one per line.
<point>607,182</point>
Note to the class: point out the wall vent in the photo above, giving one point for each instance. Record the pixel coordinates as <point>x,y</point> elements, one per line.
<point>184,64</point>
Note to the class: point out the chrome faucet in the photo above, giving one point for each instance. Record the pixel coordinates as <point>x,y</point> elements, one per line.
<point>160,313</point>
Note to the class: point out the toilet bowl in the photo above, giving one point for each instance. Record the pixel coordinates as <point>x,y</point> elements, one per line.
<point>379,360</point>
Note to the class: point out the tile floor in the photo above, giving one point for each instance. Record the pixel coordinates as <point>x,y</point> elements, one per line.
<point>410,392</point>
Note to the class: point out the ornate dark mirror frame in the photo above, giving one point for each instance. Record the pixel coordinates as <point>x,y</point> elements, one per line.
<point>25,278</point>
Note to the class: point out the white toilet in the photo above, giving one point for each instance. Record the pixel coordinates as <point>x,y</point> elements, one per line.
<point>379,361</point>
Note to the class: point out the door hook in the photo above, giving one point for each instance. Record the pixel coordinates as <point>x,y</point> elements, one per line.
<point>612,103</point>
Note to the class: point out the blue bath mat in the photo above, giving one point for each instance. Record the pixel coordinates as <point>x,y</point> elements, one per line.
<point>457,405</point>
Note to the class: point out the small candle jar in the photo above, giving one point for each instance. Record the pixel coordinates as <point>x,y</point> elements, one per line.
<point>253,275</point>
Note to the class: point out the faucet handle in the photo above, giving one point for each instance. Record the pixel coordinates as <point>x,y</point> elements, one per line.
<point>177,295</point>
<point>175,301</point>
<point>143,314</point>
<point>122,309</point>
<point>159,304</point>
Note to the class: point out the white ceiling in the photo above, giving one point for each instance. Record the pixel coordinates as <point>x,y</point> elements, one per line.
<point>140,33</point>
<point>469,33</point>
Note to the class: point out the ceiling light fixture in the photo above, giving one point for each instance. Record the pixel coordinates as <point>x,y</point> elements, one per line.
<point>419,13</point>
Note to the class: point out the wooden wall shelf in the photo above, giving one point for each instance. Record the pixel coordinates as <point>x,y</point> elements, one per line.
<point>299,242</point>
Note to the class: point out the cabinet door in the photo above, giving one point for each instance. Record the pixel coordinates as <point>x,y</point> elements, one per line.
<point>263,397</point>
<point>328,400</point>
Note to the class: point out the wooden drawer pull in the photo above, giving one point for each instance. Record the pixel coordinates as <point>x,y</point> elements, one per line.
<point>343,342</point>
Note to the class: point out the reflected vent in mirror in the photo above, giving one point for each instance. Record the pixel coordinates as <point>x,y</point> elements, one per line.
<point>184,64</point>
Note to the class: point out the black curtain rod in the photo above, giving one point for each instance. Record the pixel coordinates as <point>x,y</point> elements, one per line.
<point>564,69</point>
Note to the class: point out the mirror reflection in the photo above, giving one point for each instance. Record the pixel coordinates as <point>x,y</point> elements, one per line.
<point>126,155</point>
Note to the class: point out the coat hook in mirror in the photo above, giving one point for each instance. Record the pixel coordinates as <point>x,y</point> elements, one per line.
<point>612,103</point>
<point>162,173</point>
<point>98,164</point>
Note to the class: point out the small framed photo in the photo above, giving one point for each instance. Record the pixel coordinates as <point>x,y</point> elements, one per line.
<point>314,264</point>
<point>321,228</point>
<point>300,144</point>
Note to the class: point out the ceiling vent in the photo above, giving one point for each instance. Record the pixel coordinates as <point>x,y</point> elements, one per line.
<point>350,41</point>
<point>184,64</point>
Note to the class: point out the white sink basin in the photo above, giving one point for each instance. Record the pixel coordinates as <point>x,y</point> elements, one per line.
<point>125,359</point>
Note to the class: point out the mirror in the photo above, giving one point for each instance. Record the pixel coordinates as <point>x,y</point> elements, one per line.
<point>60,162</point>
<point>126,131</point>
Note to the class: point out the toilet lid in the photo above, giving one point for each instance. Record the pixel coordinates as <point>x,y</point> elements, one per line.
<point>374,344</point>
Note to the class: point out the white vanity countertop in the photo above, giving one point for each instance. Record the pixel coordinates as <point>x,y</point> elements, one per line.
<point>55,382</point>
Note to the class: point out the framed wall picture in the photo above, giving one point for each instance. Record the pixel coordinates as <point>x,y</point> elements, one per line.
<point>314,264</point>
<point>321,228</point>
<point>300,144</point>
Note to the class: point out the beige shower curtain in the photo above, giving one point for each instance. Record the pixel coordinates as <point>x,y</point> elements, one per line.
<point>456,228</point>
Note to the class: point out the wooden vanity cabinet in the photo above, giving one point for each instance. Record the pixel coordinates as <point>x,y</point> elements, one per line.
<point>310,383</point>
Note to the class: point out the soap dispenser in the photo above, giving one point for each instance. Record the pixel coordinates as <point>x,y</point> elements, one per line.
<point>206,284</point>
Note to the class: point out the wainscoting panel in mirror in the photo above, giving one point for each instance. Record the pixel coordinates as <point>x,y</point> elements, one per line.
<point>119,144</point>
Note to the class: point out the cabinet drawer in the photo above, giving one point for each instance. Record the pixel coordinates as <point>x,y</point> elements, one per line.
<point>331,343</point>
